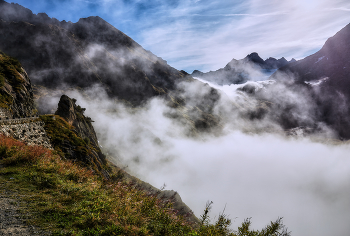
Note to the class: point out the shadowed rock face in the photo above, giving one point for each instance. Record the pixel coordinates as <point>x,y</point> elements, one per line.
<point>66,109</point>
<point>16,94</point>
<point>74,115</point>
<point>328,73</point>
<point>91,51</point>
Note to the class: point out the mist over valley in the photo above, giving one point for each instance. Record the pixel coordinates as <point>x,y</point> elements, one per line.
<point>262,139</point>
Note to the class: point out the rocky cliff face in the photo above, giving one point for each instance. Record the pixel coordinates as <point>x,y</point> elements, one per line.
<point>91,51</point>
<point>81,126</point>
<point>74,115</point>
<point>16,94</point>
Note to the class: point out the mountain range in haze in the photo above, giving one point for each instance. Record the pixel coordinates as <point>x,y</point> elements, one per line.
<point>322,77</point>
<point>252,67</point>
<point>65,55</point>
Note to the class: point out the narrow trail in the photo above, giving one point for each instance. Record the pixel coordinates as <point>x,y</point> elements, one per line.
<point>12,221</point>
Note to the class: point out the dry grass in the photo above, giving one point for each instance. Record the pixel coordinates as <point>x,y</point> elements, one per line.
<point>66,198</point>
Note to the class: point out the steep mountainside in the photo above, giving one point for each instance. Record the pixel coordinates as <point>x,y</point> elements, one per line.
<point>328,73</point>
<point>16,94</point>
<point>240,71</point>
<point>91,51</point>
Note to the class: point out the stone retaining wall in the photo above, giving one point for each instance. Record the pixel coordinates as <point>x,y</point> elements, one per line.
<point>29,130</point>
<point>18,120</point>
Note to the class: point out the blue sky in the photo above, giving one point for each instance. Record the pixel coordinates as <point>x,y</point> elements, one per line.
<point>207,34</point>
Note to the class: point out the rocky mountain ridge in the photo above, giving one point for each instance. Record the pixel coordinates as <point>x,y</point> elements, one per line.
<point>331,61</point>
<point>241,71</point>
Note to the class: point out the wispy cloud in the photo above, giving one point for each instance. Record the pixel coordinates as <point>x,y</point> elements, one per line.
<point>340,9</point>
<point>215,36</point>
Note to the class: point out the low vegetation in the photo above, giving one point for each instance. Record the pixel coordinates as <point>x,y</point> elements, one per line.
<point>10,69</point>
<point>67,143</point>
<point>65,198</point>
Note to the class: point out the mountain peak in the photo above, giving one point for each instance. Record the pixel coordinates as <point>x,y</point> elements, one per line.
<point>254,57</point>
<point>92,19</point>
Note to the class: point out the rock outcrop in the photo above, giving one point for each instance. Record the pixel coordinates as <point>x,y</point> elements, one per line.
<point>17,107</point>
<point>16,94</point>
<point>74,115</point>
<point>72,135</point>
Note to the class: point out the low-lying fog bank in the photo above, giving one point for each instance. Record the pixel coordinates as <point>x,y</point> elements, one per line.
<point>262,176</point>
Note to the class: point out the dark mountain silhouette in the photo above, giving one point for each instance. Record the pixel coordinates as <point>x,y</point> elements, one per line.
<point>240,71</point>
<point>82,54</point>
<point>327,72</point>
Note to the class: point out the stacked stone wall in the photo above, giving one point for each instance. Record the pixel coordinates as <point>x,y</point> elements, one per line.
<point>28,130</point>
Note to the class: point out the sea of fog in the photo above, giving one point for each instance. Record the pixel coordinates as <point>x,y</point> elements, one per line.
<point>261,177</point>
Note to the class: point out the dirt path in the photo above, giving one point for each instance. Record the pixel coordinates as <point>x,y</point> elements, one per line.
<point>12,222</point>
<point>10,219</point>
